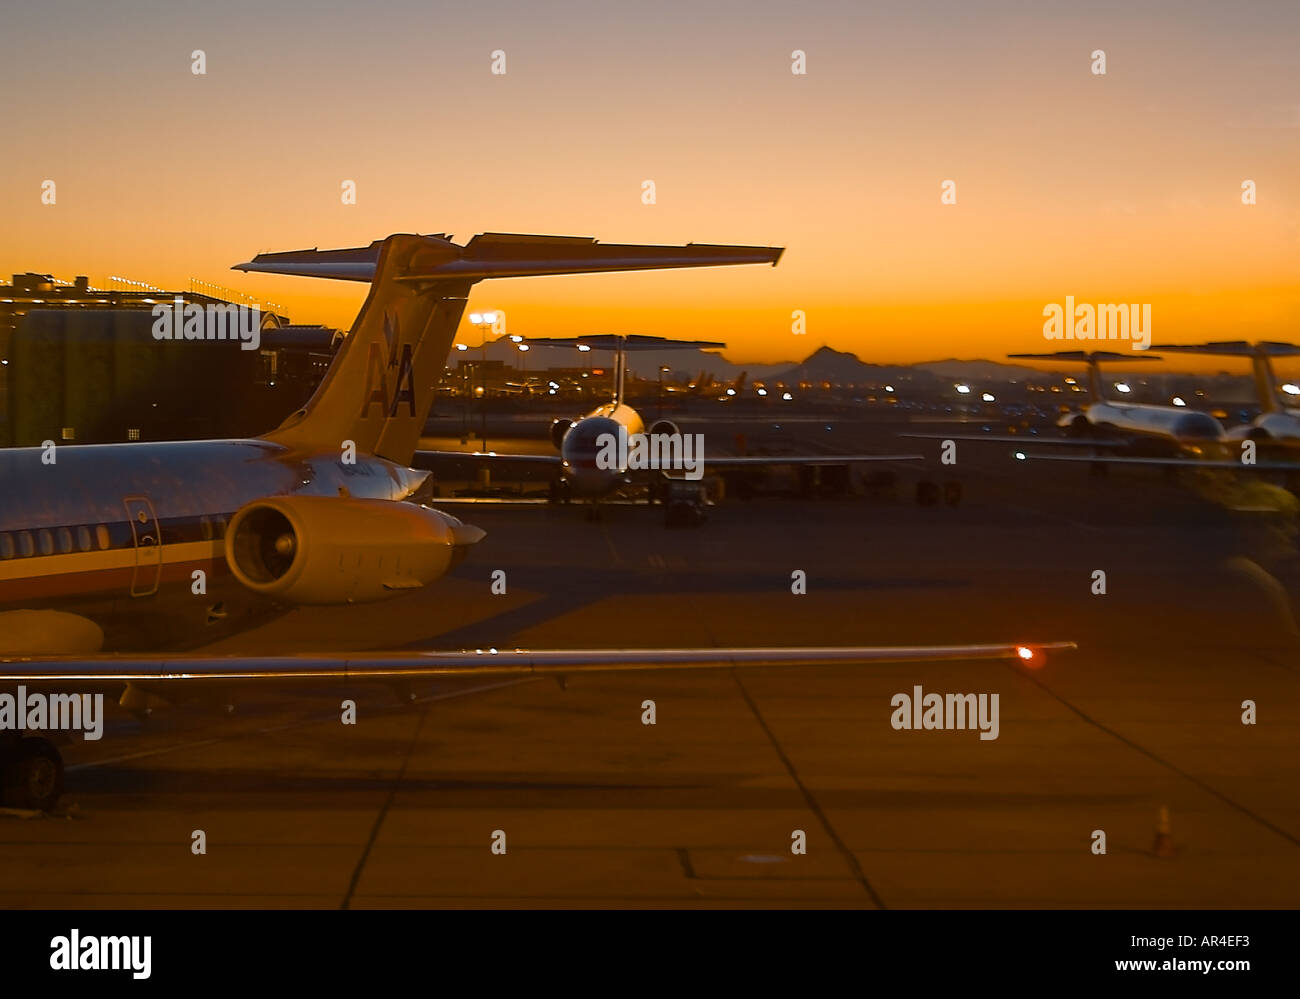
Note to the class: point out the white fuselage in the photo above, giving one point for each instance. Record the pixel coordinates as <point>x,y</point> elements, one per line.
<point>1175,425</point>
<point>581,444</point>
<point>1281,425</point>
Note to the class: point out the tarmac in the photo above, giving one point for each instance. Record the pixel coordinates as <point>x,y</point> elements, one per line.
<point>588,806</point>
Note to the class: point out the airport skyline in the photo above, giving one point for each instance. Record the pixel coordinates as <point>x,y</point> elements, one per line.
<point>843,166</point>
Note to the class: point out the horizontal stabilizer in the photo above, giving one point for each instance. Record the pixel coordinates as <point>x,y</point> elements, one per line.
<point>1087,356</point>
<point>1233,348</point>
<point>615,341</point>
<point>497,255</point>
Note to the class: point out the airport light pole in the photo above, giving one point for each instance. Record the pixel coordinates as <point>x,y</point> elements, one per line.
<point>586,349</point>
<point>465,387</point>
<point>484,321</point>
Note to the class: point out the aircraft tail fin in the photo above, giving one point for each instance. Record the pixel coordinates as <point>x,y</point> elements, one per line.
<point>379,389</point>
<point>1093,359</point>
<point>1261,363</point>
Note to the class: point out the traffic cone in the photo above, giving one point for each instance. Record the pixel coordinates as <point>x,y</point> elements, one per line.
<point>1164,844</point>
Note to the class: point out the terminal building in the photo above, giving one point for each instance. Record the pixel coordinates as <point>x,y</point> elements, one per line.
<point>80,364</point>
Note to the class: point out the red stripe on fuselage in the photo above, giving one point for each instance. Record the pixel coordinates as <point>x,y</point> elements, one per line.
<point>114,582</point>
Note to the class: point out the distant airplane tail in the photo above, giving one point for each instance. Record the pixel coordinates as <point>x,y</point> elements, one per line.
<point>1093,359</point>
<point>379,389</point>
<point>1261,362</point>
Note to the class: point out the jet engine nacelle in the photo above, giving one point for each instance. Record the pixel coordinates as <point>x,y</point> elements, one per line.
<point>339,550</point>
<point>1074,424</point>
<point>558,429</point>
<point>666,427</point>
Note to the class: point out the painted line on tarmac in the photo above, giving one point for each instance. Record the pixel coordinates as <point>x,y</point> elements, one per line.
<point>813,806</point>
<point>1149,754</point>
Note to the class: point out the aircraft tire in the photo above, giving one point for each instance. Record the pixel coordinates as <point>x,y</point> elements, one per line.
<point>33,775</point>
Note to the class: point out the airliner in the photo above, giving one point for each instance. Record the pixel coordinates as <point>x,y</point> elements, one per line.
<point>578,441</point>
<point>1176,427</point>
<point>1276,422</point>
<point>1129,432</point>
<point>118,561</point>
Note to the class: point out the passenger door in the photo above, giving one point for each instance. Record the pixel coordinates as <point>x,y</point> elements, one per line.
<point>148,545</point>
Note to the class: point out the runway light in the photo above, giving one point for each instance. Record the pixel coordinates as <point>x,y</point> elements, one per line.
<point>760,391</point>
<point>1122,387</point>
<point>889,388</point>
<point>523,346</point>
<point>1020,456</point>
<point>963,389</point>
<point>731,391</point>
<point>988,397</point>
<point>1178,401</point>
<point>786,396</point>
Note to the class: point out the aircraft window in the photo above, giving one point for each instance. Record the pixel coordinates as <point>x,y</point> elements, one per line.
<point>26,547</point>
<point>6,546</point>
<point>65,541</point>
<point>47,542</point>
<point>101,537</point>
<point>83,538</point>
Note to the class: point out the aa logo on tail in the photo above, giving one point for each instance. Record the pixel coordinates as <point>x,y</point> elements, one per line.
<point>378,366</point>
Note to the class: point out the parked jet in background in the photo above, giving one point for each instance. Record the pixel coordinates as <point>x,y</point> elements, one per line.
<point>1276,421</point>
<point>1115,431</point>
<point>1140,423</point>
<point>579,441</point>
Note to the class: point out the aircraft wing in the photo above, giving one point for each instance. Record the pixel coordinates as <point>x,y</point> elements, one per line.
<point>728,461</point>
<point>483,456</point>
<point>747,460</point>
<point>1025,439</point>
<point>1227,463</point>
<point>162,671</point>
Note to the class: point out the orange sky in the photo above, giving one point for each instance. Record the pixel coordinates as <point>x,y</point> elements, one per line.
<point>1123,187</point>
